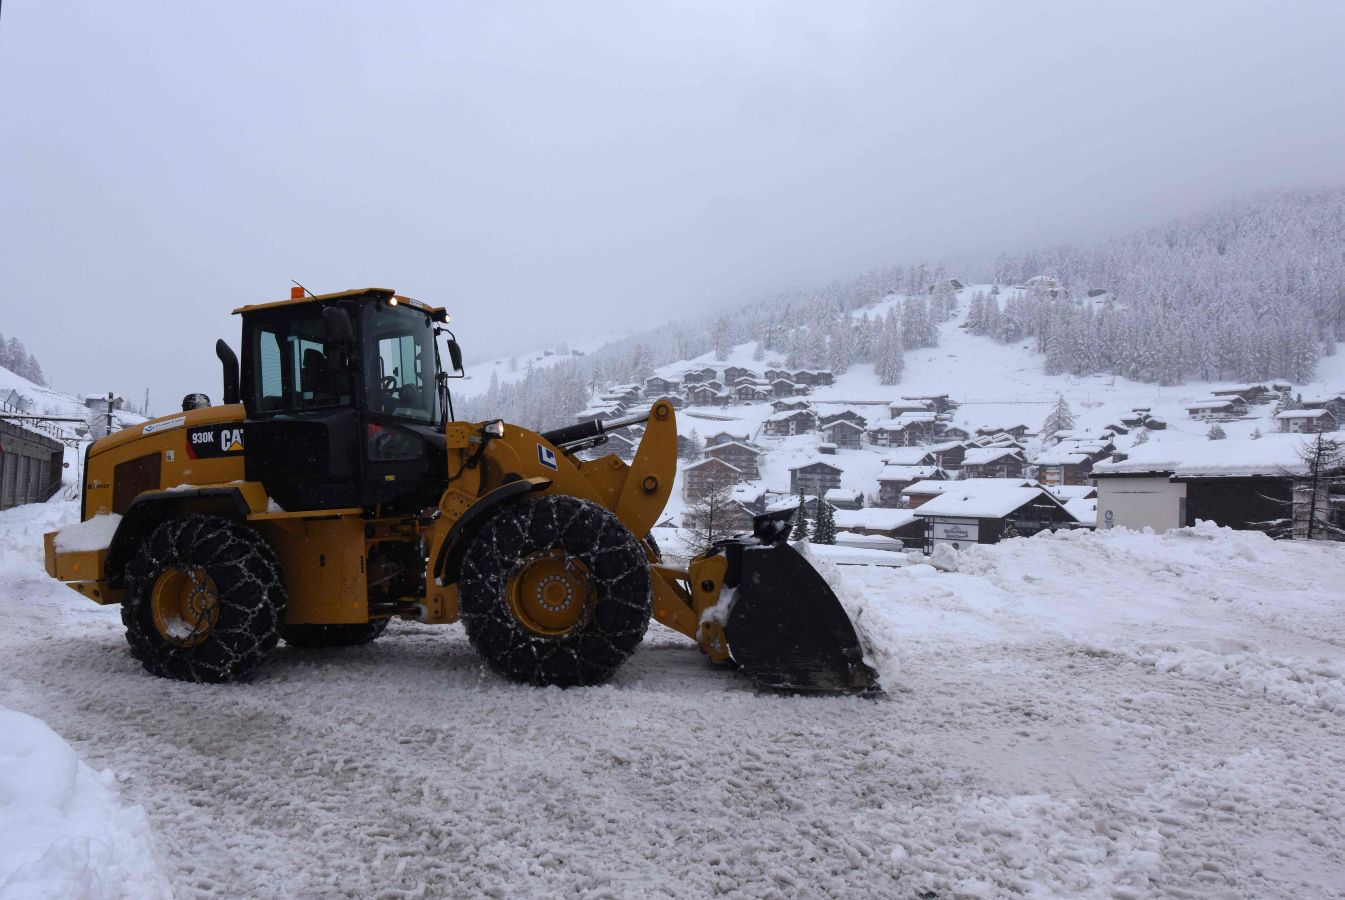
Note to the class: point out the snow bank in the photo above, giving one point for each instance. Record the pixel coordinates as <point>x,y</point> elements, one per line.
<point>1210,603</point>
<point>62,832</point>
<point>21,530</point>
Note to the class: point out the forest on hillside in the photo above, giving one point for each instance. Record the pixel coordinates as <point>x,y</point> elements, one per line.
<point>15,357</point>
<point>1249,291</point>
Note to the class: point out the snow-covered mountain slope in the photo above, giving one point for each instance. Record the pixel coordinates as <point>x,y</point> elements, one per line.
<point>40,400</point>
<point>994,384</point>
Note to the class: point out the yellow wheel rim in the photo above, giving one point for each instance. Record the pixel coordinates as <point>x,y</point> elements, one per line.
<point>185,605</point>
<point>550,594</point>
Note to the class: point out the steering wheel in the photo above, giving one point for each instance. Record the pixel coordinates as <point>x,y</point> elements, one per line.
<point>389,383</point>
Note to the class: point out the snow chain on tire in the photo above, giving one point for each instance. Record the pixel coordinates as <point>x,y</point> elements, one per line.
<point>618,575</point>
<point>250,599</point>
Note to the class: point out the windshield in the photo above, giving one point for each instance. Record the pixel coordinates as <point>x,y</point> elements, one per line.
<point>399,361</point>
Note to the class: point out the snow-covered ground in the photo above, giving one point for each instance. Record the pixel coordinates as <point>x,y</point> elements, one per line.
<point>1077,715</point>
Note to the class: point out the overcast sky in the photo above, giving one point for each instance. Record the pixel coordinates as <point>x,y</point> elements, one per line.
<point>550,168</point>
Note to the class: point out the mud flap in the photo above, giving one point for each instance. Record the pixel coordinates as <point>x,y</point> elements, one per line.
<point>786,628</point>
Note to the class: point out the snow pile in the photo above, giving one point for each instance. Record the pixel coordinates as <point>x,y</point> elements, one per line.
<point>94,534</point>
<point>876,636</point>
<point>1311,682</point>
<point>63,833</point>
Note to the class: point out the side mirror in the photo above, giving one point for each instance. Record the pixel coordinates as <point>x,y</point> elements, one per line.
<point>340,337</point>
<point>455,355</point>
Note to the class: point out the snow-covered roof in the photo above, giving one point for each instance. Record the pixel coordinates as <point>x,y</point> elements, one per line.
<point>747,493</point>
<point>605,409</point>
<point>1073,491</point>
<point>712,459</point>
<point>910,456</point>
<point>875,518</point>
<point>1083,509</point>
<point>907,473</point>
<point>785,415</point>
<point>1272,454</point>
<point>940,487</point>
<point>1303,414</point>
<point>815,462</point>
<point>843,495</point>
<point>1060,456</point>
<point>902,422</point>
<point>984,498</point>
<point>1210,404</point>
<point>984,455</point>
<point>843,423</point>
<point>755,451</point>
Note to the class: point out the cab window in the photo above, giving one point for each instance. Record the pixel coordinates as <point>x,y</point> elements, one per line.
<point>290,368</point>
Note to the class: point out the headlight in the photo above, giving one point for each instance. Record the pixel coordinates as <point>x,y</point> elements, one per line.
<point>495,429</point>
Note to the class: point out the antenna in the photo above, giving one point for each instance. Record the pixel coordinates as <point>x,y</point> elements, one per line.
<point>302,288</point>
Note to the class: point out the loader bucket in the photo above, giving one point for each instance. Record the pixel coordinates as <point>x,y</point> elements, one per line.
<point>786,629</point>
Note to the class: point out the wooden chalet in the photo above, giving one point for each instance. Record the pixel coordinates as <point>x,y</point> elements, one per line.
<point>657,386</point>
<point>1249,393</point>
<point>948,455</point>
<point>722,437</point>
<point>699,479</point>
<point>1332,403</point>
<point>844,433</point>
<point>751,392</point>
<point>739,454</point>
<point>849,415</point>
<point>704,395</point>
<point>1217,408</point>
<point>1305,421</point>
<point>814,479</point>
<point>844,498</point>
<point>1017,432</point>
<point>993,462</point>
<point>900,524</point>
<point>940,402</point>
<point>984,511</point>
<point>699,376</point>
<point>734,374</point>
<point>899,407</point>
<point>790,421</point>
<point>893,480</point>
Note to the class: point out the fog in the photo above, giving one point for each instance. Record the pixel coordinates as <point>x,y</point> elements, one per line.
<point>553,170</point>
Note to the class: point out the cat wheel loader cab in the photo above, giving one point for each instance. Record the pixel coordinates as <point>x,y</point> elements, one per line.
<point>333,491</point>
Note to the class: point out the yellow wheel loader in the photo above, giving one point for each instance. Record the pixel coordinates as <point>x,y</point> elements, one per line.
<point>333,490</point>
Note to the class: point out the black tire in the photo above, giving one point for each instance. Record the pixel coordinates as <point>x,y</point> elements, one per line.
<point>249,600</point>
<point>617,575</point>
<point>333,635</point>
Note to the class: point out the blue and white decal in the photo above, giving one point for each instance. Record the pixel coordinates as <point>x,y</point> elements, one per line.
<point>546,456</point>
